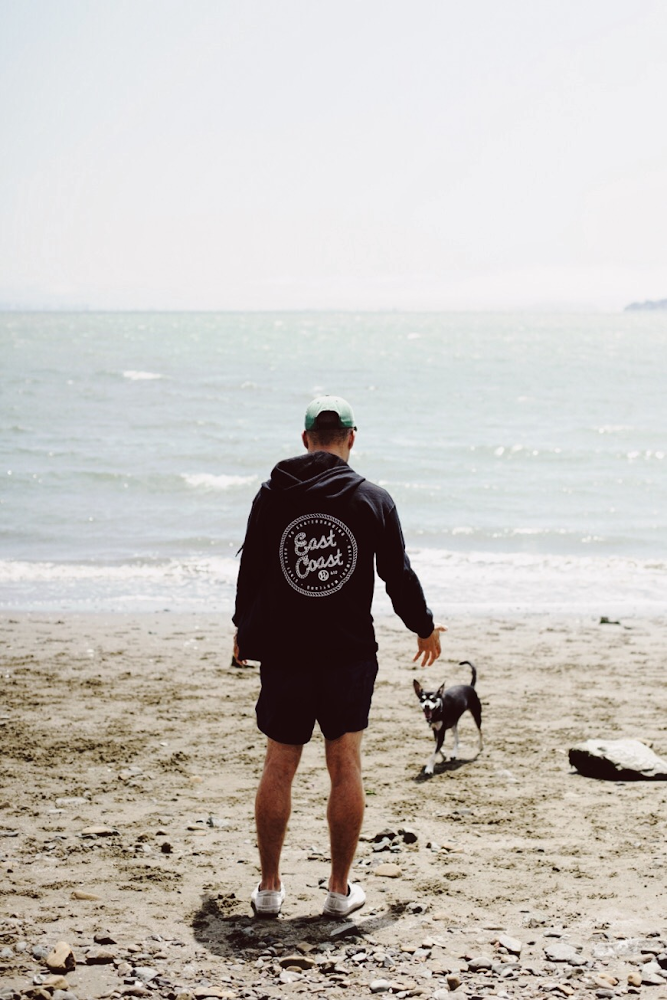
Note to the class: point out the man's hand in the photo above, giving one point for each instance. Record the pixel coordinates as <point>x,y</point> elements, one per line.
<point>429,649</point>
<point>236,649</point>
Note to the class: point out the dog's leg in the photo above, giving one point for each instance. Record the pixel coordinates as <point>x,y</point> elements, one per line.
<point>476,712</point>
<point>429,766</point>
<point>455,748</point>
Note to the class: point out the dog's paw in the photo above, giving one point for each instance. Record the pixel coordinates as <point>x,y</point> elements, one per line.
<point>428,768</point>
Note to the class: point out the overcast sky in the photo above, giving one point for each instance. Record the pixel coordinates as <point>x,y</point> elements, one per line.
<point>428,154</point>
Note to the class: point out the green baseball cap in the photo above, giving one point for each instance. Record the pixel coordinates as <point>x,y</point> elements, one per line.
<point>329,404</point>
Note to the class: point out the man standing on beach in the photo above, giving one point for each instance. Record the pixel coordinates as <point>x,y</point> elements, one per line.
<point>303,608</point>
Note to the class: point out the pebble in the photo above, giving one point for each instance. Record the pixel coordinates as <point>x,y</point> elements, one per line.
<point>635,979</point>
<point>479,963</point>
<point>61,959</point>
<point>98,831</point>
<point>287,977</point>
<point>103,937</point>
<point>388,870</point>
<point>55,982</point>
<point>380,985</point>
<point>559,952</point>
<point>100,956</point>
<point>83,895</point>
<point>297,961</point>
<point>145,973</point>
<point>202,992</point>
<point>513,945</point>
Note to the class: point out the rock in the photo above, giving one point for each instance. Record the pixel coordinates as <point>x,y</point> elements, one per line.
<point>286,977</point>
<point>55,983</point>
<point>64,995</point>
<point>217,823</point>
<point>61,959</point>
<point>145,973</point>
<point>604,980</point>
<point>40,952</point>
<point>388,870</point>
<point>380,986</point>
<point>652,979</point>
<point>442,994</point>
<point>453,982</point>
<point>218,992</point>
<point>510,944</point>
<point>386,834</point>
<point>98,831</point>
<point>618,760</point>
<point>409,836</point>
<point>103,937</point>
<point>100,956</point>
<point>634,979</point>
<point>558,952</point>
<point>297,961</point>
<point>83,895</point>
<point>479,963</point>
<point>343,930</point>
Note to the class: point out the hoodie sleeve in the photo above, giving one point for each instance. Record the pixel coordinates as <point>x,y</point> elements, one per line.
<point>250,569</point>
<point>401,581</point>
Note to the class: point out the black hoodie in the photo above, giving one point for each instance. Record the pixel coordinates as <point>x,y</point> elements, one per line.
<point>306,579</point>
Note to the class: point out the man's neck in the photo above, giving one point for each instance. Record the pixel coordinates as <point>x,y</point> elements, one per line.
<point>341,451</point>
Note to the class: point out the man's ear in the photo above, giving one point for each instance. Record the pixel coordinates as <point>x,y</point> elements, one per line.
<point>304,438</point>
<point>351,440</point>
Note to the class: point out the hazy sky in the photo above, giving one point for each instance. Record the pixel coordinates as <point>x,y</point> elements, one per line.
<point>448,154</point>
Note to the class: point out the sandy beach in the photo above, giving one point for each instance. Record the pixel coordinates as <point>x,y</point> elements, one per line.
<point>130,758</point>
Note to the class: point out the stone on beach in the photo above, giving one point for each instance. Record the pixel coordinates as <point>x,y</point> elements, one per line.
<point>618,760</point>
<point>559,952</point>
<point>81,894</point>
<point>61,958</point>
<point>388,870</point>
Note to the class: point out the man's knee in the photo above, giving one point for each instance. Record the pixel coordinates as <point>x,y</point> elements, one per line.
<point>282,759</point>
<point>344,756</point>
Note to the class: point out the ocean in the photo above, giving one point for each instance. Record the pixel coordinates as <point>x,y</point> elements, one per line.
<point>526,453</point>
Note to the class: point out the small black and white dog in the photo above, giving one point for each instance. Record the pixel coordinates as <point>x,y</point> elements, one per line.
<point>443,709</point>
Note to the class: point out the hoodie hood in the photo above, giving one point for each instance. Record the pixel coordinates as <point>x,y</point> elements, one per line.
<point>319,474</point>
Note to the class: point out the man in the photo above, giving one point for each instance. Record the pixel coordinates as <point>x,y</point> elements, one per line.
<point>303,608</point>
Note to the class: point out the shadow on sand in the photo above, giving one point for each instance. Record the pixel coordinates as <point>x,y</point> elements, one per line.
<point>225,931</point>
<point>446,766</point>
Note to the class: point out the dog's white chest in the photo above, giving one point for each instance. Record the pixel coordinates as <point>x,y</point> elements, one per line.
<point>435,726</point>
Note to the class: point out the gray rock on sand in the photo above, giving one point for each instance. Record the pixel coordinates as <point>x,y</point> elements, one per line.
<point>618,760</point>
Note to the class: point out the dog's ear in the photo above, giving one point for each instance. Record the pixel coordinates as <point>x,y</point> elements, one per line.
<point>441,690</point>
<point>418,687</point>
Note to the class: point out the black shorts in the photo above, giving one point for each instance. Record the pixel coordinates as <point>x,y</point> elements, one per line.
<point>292,700</point>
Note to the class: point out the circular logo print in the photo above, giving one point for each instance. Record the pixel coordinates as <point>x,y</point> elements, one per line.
<point>318,554</point>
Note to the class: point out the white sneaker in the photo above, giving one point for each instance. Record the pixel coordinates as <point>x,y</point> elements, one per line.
<point>337,905</point>
<point>267,902</point>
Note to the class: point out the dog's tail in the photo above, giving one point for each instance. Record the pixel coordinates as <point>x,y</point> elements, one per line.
<point>467,663</point>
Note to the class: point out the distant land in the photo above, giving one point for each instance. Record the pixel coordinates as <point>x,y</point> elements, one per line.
<point>655,304</point>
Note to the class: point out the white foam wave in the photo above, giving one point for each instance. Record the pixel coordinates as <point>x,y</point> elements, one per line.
<point>136,376</point>
<point>207,481</point>
<point>215,570</point>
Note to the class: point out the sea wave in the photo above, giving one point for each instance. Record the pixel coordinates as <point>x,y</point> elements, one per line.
<point>207,481</point>
<point>454,583</point>
<point>136,376</point>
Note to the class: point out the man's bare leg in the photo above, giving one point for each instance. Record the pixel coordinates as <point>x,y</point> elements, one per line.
<point>345,812</point>
<point>273,804</point>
